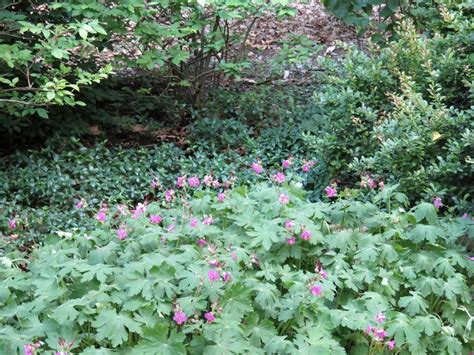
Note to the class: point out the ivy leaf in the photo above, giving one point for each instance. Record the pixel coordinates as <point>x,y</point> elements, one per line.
<point>113,326</point>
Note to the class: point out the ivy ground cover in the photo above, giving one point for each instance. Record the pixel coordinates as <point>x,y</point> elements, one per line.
<point>256,270</point>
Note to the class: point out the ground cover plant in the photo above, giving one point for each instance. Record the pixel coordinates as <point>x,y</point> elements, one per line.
<point>220,190</point>
<point>246,270</point>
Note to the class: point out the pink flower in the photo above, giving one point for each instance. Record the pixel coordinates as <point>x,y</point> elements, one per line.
<point>323,274</point>
<point>121,234</point>
<point>471,258</point>
<point>380,317</point>
<point>169,194</point>
<point>194,181</point>
<point>317,290</point>
<point>101,216</point>
<point>216,184</point>
<point>286,163</point>
<point>208,220</point>
<point>372,183</point>
<point>221,197</point>
<point>139,210</point>
<point>181,181</point>
<point>154,183</point>
<point>180,317</point>
<point>465,216</point>
<point>123,209</point>
<point>213,262</point>
<point>305,235</point>
<point>226,276</point>
<point>257,168</point>
<point>193,222</point>
<point>12,223</point>
<point>170,228</point>
<point>381,185</point>
<point>369,329</point>
<point>289,224</point>
<point>283,199</point>
<point>437,202</point>
<point>79,204</point>
<point>233,255</point>
<point>213,275</point>
<point>207,180</point>
<point>291,241</point>
<point>209,317</point>
<point>307,166</point>
<point>379,334</point>
<point>28,349</point>
<point>391,344</point>
<point>279,178</point>
<point>201,242</point>
<point>331,191</point>
<point>155,219</point>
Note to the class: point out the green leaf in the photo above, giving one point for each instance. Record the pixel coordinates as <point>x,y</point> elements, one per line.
<point>414,304</point>
<point>157,341</point>
<point>113,326</point>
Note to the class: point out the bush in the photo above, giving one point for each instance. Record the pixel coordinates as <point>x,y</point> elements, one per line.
<point>249,273</point>
<point>400,114</point>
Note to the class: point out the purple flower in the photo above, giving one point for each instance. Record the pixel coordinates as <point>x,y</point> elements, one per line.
<point>194,181</point>
<point>379,334</point>
<point>193,222</point>
<point>317,290</point>
<point>121,234</point>
<point>257,168</point>
<point>286,163</point>
<point>169,194</point>
<point>330,191</point>
<point>279,178</point>
<point>155,219</point>
<point>209,317</point>
<point>154,183</point>
<point>216,184</point>
<point>201,242</point>
<point>380,317</point>
<point>391,344</point>
<point>437,202</point>
<point>369,329</point>
<point>139,210</point>
<point>226,276</point>
<point>305,234</point>
<point>323,274</point>
<point>291,241</point>
<point>221,197</point>
<point>180,317</point>
<point>207,180</point>
<point>289,224</point>
<point>28,349</point>
<point>79,204</point>
<point>181,181</point>
<point>471,258</point>
<point>12,223</point>
<point>208,220</point>
<point>213,275</point>
<point>307,166</point>
<point>372,183</point>
<point>101,216</point>
<point>283,199</point>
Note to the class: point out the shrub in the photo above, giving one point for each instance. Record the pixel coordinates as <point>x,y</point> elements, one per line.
<point>249,273</point>
<point>399,113</point>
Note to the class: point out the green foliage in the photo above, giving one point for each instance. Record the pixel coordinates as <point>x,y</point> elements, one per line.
<point>108,294</point>
<point>401,114</point>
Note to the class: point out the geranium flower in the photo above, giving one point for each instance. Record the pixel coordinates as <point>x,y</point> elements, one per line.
<point>101,216</point>
<point>317,290</point>
<point>283,199</point>
<point>257,168</point>
<point>194,181</point>
<point>330,191</point>
<point>437,202</point>
<point>193,222</point>
<point>391,344</point>
<point>279,178</point>
<point>221,197</point>
<point>155,219</point>
<point>305,235</point>
<point>291,241</point>
<point>180,317</point>
<point>121,233</point>
<point>209,317</point>
<point>289,224</point>
<point>213,275</point>
<point>380,317</point>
